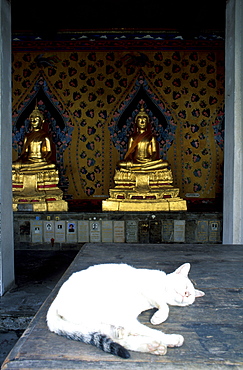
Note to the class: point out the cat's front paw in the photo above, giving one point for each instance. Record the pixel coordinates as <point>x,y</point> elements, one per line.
<point>158,318</point>
<point>174,340</point>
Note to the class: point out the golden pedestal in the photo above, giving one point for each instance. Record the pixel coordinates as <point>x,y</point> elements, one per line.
<point>38,191</point>
<point>145,191</point>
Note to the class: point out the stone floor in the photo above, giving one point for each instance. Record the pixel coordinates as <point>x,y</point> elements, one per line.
<point>36,274</point>
<point>212,326</point>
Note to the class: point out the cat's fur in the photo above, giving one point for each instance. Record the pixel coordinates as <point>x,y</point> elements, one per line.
<point>100,306</point>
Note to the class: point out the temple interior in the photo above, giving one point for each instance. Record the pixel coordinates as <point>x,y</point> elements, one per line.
<point>89,180</point>
<point>89,78</point>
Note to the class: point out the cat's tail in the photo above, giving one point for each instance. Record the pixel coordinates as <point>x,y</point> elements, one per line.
<point>62,327</point>
<point>101,341</point>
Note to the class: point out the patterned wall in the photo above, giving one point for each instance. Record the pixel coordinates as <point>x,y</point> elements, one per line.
<point>89,93</point>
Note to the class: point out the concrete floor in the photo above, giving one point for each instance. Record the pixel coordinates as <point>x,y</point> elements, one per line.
<point>36,274</point>
<point>212,326</point>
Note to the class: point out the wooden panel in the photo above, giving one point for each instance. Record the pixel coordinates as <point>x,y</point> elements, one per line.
<point>211,326</point>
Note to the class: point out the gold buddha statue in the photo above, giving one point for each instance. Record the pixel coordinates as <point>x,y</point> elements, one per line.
<point>143,149</point>
<point>34,176</point>
<point>143,181</point>
<point>36,150</point>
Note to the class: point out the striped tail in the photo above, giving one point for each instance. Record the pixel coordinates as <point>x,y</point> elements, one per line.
<point>100,341</point>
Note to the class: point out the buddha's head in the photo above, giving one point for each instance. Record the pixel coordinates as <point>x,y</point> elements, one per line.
<point>142,119</point>
<point>36,119</point>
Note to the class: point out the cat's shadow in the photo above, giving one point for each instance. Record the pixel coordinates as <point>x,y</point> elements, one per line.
<point>145,317</point>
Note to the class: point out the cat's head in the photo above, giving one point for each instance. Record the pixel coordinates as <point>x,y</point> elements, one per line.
<point>179,289</point>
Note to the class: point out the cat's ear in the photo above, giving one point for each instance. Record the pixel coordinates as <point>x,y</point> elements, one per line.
<point>183,269</point>
<point>199,293</point>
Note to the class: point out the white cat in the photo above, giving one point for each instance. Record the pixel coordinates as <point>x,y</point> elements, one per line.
<point>100,306</point>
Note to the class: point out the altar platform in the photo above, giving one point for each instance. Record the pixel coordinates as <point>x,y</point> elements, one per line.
<point>212,326</point>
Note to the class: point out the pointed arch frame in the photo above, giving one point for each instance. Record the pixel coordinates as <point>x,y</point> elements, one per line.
<point>61,133</point>
<point>120,132</point>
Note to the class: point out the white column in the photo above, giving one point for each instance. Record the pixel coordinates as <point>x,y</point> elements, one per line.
<point>233,150</point>
<point>6,214</point>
